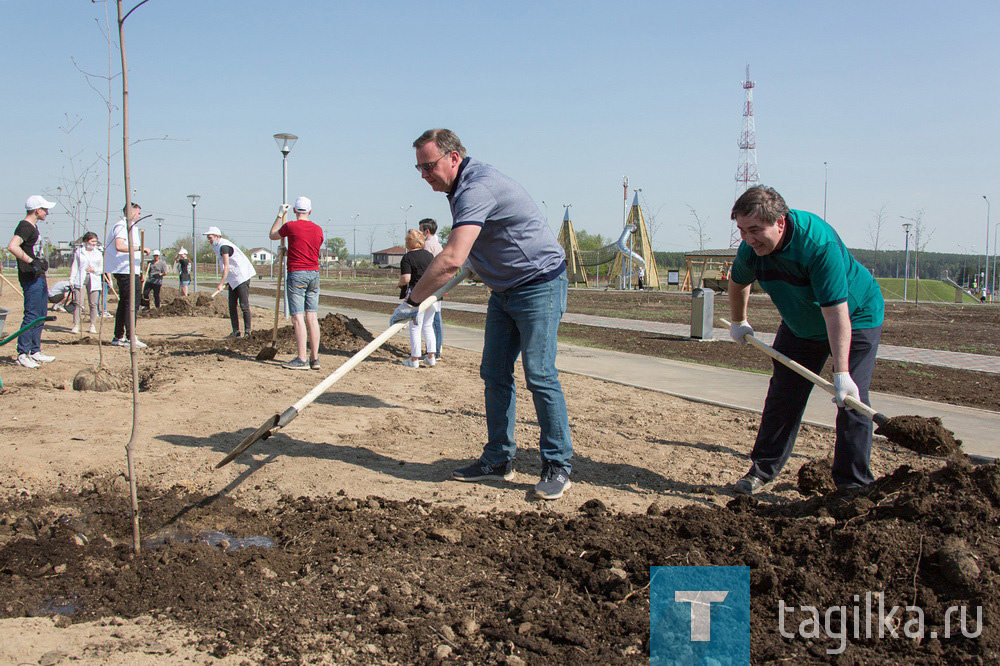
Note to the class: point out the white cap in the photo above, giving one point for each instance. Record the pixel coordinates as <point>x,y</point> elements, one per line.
<point>35,202</point>
<point>212,231</point>
<point>302,205</point>
<point>156,253</point>
<point>182,251</point>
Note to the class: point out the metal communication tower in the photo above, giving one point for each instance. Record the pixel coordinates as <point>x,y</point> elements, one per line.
<point>746,172</point>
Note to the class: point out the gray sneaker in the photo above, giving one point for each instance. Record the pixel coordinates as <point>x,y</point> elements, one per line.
<point>555,481</point>
<point>749,485</point>
<point>314,364</point>
<point>480,470</point>
<point>295,364</point>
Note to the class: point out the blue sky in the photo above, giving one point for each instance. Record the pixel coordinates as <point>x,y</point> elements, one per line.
<point>898,98</point>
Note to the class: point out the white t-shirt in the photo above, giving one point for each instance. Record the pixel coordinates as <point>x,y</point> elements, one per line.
<point>115,261</point>
<point>240,268</point>
<point>432,245</point>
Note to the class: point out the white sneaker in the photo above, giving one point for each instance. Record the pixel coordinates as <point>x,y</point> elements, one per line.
<point>410,363</point>
<point>39,357</point>
<point>26,361</point>
<point>115,342</point>
<point>430,361</point>
<point>107,315</point>
<point>75,329</point>
<point>139,344</point>
<point>93,329</point>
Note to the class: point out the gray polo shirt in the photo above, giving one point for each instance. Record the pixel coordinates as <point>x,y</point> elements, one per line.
<point>516,245</point>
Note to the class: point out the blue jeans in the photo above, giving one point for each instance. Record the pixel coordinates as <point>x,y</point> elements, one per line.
<point>786,400</point>
<point>36,304</point>
<point>438,329</point>
<point>302,292</point>
<point>524,321</point>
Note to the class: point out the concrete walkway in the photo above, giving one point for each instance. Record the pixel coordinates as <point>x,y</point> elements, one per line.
<point>735,389</point>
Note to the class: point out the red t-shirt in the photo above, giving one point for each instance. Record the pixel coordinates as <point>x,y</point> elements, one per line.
<point>305,239</point>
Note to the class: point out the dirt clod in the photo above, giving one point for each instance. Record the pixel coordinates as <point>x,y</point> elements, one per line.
<point>921,435</point>
<point>816,477</point>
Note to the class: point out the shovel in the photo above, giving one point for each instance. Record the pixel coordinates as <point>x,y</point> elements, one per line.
<point>919,434</point>
<point>268,353</point>
<point>850,401</point>
<point>281,420</point>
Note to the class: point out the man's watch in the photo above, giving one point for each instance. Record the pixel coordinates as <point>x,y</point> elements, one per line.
<point>410,302</point>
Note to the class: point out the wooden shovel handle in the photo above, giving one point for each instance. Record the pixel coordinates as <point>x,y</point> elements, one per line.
<point>795,366</point>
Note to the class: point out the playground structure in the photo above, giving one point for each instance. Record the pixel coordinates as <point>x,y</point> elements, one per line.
<point>712,268</point>
<point>631,256</point>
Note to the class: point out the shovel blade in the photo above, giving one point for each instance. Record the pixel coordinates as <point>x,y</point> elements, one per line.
<point>262,432</point>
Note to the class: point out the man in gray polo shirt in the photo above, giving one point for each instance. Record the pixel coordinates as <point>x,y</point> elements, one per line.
<point>500,231</point>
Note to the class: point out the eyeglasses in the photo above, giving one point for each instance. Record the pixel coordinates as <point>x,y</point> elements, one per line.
<point>427,167</point>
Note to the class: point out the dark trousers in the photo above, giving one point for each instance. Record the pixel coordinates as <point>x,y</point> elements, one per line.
<point>151,287</point>
<point>36,297</point>
<point>240,294</point>
<point>786,402</point>
<point>122,326</point>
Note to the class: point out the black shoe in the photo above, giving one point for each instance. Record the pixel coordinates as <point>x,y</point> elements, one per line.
<point>480,470</point>
<point>234,334</point>
<point>555,481</point>
<point>749,485</point>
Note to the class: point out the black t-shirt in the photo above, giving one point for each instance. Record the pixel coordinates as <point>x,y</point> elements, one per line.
<point>184,264</point>
<point>29,235</point>
<point>415,262</point>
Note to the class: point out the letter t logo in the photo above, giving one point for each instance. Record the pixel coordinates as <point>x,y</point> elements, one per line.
<point>701,610</point>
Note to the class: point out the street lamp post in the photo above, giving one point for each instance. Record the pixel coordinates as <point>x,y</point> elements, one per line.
<point>285,142</point>
<point>354,238</point>
<point>826,172</point>
<point>986,269</point>
<point>993,282</point>
<point>194,199</point>
<point>159,238</point>
<point>906,258</point>
<point>406,211</point>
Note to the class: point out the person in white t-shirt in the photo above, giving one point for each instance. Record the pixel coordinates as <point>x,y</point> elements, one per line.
<point>237,271</point>
<point>116,262</point>
<point>428,226</point>
<point>85,276</point>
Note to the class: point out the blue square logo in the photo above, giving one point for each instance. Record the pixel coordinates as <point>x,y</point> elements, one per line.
<point>699,615</point>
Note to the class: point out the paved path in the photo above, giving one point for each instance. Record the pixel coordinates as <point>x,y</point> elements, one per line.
<point>701,383</point>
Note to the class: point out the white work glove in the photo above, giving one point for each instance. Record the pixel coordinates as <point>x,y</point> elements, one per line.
<point>282,209</point>
<point>403,312</point>
<point>739,329</point>
<point>845,387</point>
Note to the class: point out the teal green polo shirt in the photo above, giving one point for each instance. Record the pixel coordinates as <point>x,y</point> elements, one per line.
<point>813,270</point>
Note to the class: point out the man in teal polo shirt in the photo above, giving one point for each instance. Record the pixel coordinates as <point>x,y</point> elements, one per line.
<point>829,305</point>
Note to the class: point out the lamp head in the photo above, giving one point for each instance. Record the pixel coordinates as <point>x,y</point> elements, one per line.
<point>285,142</point>
<point>194,199</point>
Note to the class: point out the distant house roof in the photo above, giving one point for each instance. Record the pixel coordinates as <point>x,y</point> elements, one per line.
<point>727,252</point>
<point>259,249</point>
<point>392,250</point>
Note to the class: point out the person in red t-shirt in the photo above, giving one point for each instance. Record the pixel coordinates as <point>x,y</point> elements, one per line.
<point>305,239</point>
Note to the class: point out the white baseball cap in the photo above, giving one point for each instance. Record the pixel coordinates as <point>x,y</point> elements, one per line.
<point>182,251</point>
<point>302,205</point>
<point>156,253</point>
<point>35,202</point>
<point>212,231</point>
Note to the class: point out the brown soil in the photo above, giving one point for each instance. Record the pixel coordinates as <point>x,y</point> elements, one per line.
<point>964,328</point>
<point>922,435</point>
<point>375,557</point>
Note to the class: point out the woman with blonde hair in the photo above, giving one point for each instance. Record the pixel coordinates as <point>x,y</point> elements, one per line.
<point>411,269</point>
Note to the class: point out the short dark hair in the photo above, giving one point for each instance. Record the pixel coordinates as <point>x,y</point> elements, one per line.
<point>428,224</point>
<point>446,141</point>
<point>760,203</point>
<point>134,205</point>
<point>90,235</point>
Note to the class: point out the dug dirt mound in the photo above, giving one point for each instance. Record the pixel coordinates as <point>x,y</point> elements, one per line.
<point>373,581</point>
<point>922,435</point>
<point>338,335</point>
<point>172,304</point>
